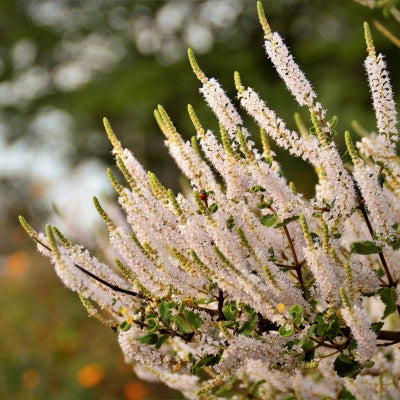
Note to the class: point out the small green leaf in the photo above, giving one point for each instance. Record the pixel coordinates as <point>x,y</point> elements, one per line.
<point>315,237</point>
<point>124,326</point>
<point>182,324</point>
<point>230,223</point>
<point>248,327</point>
<point>327,204</point>
<point>352,345</point>
<point>247,309</point>
<point>254,387</point>
<point>213,208</point>
<point>346,157</point>
<point>194,319</point>
<point>225,393</point>
<point>230,311</point>
<point>377,326</point>
<point>365,247</point>
<point>230,324</point>
<point>268,220</point>
<point>257,188</point>
<point>286,221</point>
<point>161,339</point>
<point>320,328</point>
<point>149,339</point>
<point>286,332</point>
<point>333,122</point>
<point>333,328</point>
<point>308,354</point>
<point>181,307</point>
<point>395,244</point>
<point>226,390</point>
<point>262,204</point>
<point>346,366</point>
<point>381,179</point>
<point>271,254</point>
<point>267,160</point>
<point>296,312</point>
<point>388,297</point>
<point>206,361</point>
<point>164,309</point>
<point>305,338</point>
<point>344,394</point>
<point>152,324</point>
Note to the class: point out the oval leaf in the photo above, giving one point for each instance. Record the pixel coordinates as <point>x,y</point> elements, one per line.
<point>366,247</point>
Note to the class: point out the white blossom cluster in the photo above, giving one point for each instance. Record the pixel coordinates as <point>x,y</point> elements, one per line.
<point>243,288</point>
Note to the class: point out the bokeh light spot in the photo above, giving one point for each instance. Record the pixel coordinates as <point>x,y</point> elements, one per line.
<point>31,378</point>
<point>135,391</point>
<point>16,264</point>
<point>90,375</point>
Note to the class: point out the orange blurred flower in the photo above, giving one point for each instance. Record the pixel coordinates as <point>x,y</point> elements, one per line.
<point>31,378</point>
<point>16,264</point>
<point>90,375</point>
<point>135,391</point>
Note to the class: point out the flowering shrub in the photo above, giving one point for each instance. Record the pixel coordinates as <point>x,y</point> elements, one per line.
<point>243,288</point>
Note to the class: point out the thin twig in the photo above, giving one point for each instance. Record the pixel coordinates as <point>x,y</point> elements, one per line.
<point>371,231</point>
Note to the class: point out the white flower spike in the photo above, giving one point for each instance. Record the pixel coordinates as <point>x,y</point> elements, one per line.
<point>243,288</point>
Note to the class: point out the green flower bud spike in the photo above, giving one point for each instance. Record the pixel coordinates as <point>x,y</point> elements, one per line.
<point>195,146</point>
<point>159,121</point>
<point>369,41</point>
<point>301,127</point>
<point>345,299</point>
<point>93,312</point>
<point>238,82</point>
<point>169,126</point>
<point>292,187</point>
<point>127,175</point>
<point>66,243</point>
<point>265,143</point>
<point>244,146</point>
<point>176,206</point>
<point>320,133</point>
<point>263,21</point>
<point>349,279</point>
<point>103,214</point>
<point>226,143</point>
<point>117,187</point>
<point>160,192</point>
<point>350,147</point>
<point>195,121</point>
<point>306,233</point>
<point>29,230</point>
<point>196,69</point>
<point>111,136</point>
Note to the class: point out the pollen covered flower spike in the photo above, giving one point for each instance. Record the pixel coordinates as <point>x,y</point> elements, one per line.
<point>244,288</point>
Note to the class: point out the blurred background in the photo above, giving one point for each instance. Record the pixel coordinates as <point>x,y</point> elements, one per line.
<point>66,64</point>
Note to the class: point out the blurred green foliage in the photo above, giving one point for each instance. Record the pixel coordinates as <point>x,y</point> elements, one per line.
<point>326,39</point>
<point>47,342</point>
